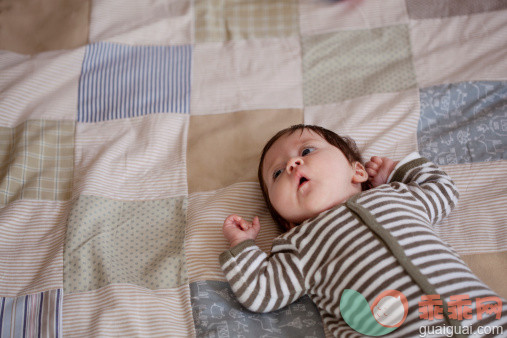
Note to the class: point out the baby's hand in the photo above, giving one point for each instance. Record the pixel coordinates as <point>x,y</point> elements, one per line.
<point>379,169</point>
<point>237,230</point>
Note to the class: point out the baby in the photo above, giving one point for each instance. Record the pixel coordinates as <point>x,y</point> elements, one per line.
<point>347,229</point>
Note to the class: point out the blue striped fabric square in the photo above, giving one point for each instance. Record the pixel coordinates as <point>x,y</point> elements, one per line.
<point>35,315</point>
<point>120,81</point>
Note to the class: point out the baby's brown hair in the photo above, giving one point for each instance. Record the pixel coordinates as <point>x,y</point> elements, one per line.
<point>347,146</point>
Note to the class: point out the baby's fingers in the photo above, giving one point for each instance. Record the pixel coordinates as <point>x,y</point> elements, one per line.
<point>233,221</point>
<point>371,168</point>
<point>244,225</point>
<point>371,173</point>
<point>373,164</point>
<point>377,160</point>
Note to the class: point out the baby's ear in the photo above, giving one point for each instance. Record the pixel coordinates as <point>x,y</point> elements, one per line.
<point>360,174</point>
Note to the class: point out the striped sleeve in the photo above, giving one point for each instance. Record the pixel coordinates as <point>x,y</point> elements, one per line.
<point>428,184</point>
<point>261,282</point>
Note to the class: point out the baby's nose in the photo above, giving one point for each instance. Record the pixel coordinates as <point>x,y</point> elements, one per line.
<point>293,163</point>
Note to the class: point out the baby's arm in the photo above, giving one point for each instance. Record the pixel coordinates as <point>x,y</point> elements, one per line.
<point>379,169</point>
<point>237,230</point>
<point>435,191</point>
<point>261,282</point>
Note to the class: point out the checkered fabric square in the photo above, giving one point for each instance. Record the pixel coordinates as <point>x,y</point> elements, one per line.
<point>219,20</point>
<point>37,161</point>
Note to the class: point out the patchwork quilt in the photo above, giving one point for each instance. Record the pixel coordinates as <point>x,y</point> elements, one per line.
<point>130,130</point>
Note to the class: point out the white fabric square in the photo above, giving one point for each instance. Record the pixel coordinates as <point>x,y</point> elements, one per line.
<point>139,158</point>
<point>141,22</point>
<point>319,16</point>
<point>41,86</point>
<point>245,75</point>
<point>461,48</point>
<point>132,311</point>
<point>31,242</point>
<point>477,225</point>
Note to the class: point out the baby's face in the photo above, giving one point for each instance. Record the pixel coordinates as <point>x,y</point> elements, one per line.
<point>305,175</point>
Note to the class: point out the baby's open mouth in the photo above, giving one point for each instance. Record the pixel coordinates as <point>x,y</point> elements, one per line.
<point>302,180</point>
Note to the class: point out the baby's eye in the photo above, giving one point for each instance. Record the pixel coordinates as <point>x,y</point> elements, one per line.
<point>306,151</point>
<point>277,173</point>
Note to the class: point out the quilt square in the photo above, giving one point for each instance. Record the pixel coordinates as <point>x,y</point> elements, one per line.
<point>246,75</point>
<point>485,266</point>
<point>31,236</point>
<point>477,39</point>
<point>37,161</point>
<point>120,81</point>
<point>30,27</point>
<point>217,313</point>
<point>115,242</point>
<point>464,122</point>
<point>317,16</point>
<point>128,159</point>
<point>225,148</point>
<point>142,22</point>
<point>428,9</point>
<point>133,311</point>
<point>477,223</point>
<point>40,86</point>
<point>218,20</point>
<point>34,315</point>
<point>342,65</point>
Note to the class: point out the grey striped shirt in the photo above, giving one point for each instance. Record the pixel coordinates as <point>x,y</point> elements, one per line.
<point>378,240</point>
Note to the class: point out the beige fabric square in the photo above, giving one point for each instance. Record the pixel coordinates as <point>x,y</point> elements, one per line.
<point>136,158</point>
<point>141,22</point>
<point>491,268</point>
<point>135,242</point>
<point>319,16</point>
<point>219,20</point>
<point>244,75</point>
<point>381,124</point>
<point>207,211</point>
<point>37,161</point>
<point>33,26</point>
<point>128,311</point>
<point>42,86</point>
<point>462,48</point>
<point>224,149</point>
<point>31,240</point>
<point>428,9</point>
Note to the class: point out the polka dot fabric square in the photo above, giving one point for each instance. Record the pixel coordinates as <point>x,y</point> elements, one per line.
<point>342,65</point>
<point>138,242</point>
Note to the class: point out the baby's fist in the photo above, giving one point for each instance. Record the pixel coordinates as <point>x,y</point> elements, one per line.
<point>237,230</point>
<point>379,169</point>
